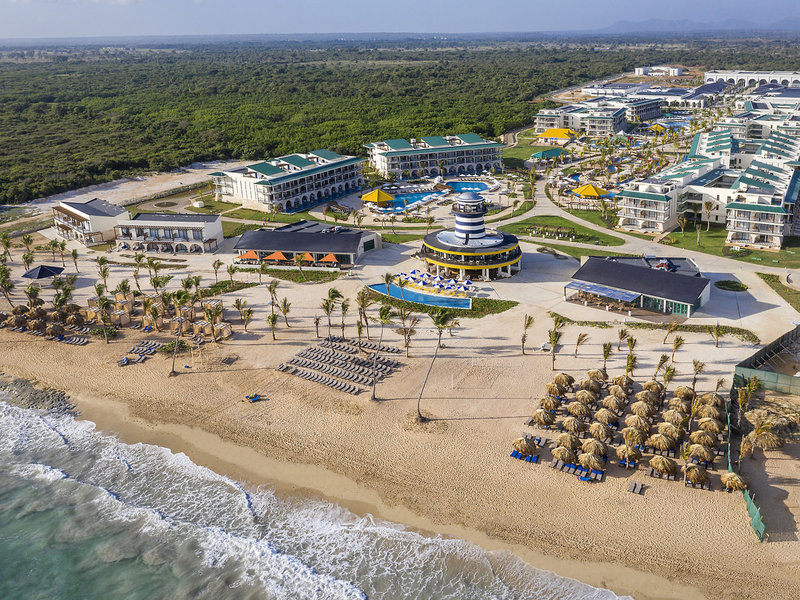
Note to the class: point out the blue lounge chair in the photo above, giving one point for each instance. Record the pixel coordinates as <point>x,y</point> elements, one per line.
<point>584,478</point>
<point>535,459</point>
<point>514,454</point>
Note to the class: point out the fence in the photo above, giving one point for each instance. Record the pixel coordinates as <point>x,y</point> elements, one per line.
<point>777,382</point>
<point>755,515</point>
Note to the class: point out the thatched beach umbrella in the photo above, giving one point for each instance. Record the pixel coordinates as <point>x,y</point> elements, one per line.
<point>549,402</point>
<point>628,453</point>
<point>643,409</point>
<point>647,396</point>
<point>19,309</point>
<point>594,446</point>
<point>708,411</point>
<point>605,416</point>
<point>16,320</point>
<point>72,308</point>
<point>710,425</point>
<point>624,381</point>
<point>586,397</point>
<point>695,473</point>
<point>712,399</point>
<point>574,425</point>
<point>553,389</point>
<point>732,481</point>
<point>75,319</point>
<point>679,405</point>
<point>564,379</point>
<point>597,375</point>
<point>663,465</point>
<point>543,417</point>
<point>659,441</point>
<point>37,313</point>
<point>673,416</point>
<point>576,409</point>
<point>700,452</point>
<point>613,403</point>
<point>653,386</point>
<point>591,385</point>
<point>600,431</point>
<point>590,461</point>
<point>55,329</point>
<point>524,446</point>
<point>670,430</point>
<point>564,454</point>
<point>618,391</point>
<point>637,422</point>
<point>703,438</point>
<point>37,324</point>
<point>567,440</point>
<point>684,393</point>
<point>3,316</point>
<point>636,436</point>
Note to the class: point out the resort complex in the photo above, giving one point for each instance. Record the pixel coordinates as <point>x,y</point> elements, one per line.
<point>463,154</point>
<point>753,78</point>
<point>293,182</point>
<point>168,232</point>
<point>89,223</point>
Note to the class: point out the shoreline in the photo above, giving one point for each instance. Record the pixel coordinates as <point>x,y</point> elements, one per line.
<point>305,480</point>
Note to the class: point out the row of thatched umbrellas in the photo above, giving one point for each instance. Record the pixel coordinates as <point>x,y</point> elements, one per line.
<point>636,434</point>
<point>37,318</point>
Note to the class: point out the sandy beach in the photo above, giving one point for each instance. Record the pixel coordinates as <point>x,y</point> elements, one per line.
<point>453,475</point>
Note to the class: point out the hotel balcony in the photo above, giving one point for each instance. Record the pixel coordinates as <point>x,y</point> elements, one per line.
<point>82,226</point>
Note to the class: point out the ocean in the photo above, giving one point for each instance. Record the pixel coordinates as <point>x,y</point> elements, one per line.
<point>85,516</point>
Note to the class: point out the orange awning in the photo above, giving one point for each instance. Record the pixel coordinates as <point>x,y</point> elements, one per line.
<point>329,258</point>
<point>249,255</point>
<point>307,257</point>
<point>275,256</point>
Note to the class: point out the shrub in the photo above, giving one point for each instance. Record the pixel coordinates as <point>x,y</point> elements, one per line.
<point>730,285</point>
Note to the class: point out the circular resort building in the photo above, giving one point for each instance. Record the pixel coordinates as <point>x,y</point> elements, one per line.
<point>469,251</point>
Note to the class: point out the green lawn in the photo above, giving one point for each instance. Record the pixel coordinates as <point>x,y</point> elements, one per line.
<point>515,156</point>
<point>576,252</point>
<point>791,295</point>
<point>585,235</point>
<point>401,238</point>
<point>297,276</point>
<point>248,213</point>
<point>529,134</point>
<point>521,209</point>
<point>593,216</point>
<point>213,207</point>
<point>231,229</point>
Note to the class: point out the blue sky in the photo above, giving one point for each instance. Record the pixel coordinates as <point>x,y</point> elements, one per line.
<point>66,18</point>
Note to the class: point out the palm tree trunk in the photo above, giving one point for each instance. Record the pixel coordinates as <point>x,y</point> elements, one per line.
<point>424,381</point>
<point>375,366</point>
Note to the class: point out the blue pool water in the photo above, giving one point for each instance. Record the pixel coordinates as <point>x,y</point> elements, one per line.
<point>421,298</point>
<point>575,176</point>
<point>403,201</point>
<point>468,186</point>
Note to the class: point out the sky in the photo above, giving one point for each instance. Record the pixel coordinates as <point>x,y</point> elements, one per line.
<point>79,18</point>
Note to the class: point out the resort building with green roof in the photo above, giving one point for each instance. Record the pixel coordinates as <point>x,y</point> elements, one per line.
<point>462,154</point>
<point>293,182</point>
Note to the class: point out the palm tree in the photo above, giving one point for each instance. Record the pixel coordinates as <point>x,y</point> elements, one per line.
<point>298,261</point>
<point>327,307</point>
<point>231,269</point>
<point>697,368</point>
<point>62,247</point>
<point>622,335</point>
<point>285,307</point>
<point>146,304</point>
<point>317,320</point>
<point>247,314</point>
<point>272,290</point>
<point>661,362</point>
<point>6,287</point>
<point>385,315</point>
<point>443,319</point>
<point>27,260</point>
<point>580,341</point>
<point>685,455</point>
<point>74,255</point>
<point>670,329</point>
<point>388,278</point>
<point>5,241</point>
<point>104,272</point>
<point>344,306</point>
<point>52,245</point>
<point>272,320</point>
<point>708,206</point>
<point>123,287</point>
<point>667,375</point>
<point>216,266</point>
<point>32,294</point>
<point>212,313</point>
<point>104,305</point>
<point>363,302</point>
<point>263,269</point>
<point>606,354</point>
<point>716,332</point>
<point>630,364</point>
<point>401,283</point>
<point>631,341</point>
<point>527,322</point>
<point>677,342</point>
<point>27,240</point>
<point>240,304</point>
<point>553,335</point>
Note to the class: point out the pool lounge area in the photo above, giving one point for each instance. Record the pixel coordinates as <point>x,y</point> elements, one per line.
<point>411,295</point>
<point>412,200</point>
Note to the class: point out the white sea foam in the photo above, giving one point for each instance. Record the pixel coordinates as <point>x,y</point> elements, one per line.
<point>286,547</point>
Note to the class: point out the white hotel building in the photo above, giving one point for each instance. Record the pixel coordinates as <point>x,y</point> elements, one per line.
<point>293,182</point>
<point>750,78</point>
<point>463,154</point>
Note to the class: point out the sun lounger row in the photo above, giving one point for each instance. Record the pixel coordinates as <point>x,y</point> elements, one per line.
<point>380,360</point>
<point>135,326</point>
<point>338,346</point>
<point>670,453</point>
<point>582,472</point>
<point>351,362</point>
<point>539,441</point>
<point>367,372</point>
<point>126,361</point>
<point>635,487</point>
<point>365,344</point>
<point>77,329</point>
<point>142,350</point>
<point>320,378</point>
<point>330,370</point>
<point>531,458</point>
<point>150,344</point>
<point>699,486</point>
<point>651,472</point>
<point>75,340</point>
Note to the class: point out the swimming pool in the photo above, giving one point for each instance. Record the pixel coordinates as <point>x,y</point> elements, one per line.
<point>468,186</point>
<point>422,298</point>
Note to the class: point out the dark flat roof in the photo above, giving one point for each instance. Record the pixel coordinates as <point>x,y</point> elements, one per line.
<point>96,208</point>
<point>193,217</point>
<point>303,236</point>
<point>642,279</point>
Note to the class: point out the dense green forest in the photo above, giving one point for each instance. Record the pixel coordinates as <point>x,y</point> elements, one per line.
<point>74,117</point>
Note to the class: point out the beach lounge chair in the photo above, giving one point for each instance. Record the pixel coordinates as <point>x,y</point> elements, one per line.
<point>123,361</point>
<point>585,478</point>
<point>635,487</point>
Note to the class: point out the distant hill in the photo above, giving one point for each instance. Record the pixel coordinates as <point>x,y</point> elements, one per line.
<point>689,26</point>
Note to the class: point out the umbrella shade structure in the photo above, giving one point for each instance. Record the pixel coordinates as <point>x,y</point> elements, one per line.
<point>37,313</point>
<point>564,454</point>
<point>591,385</point>
<point>703,438</point>
<point>659,441</point>
<point>605,416</point>
<point>653,386</point>
<point>307,257</point>
<point>634,435</point>
<point>670,430</point>
<point>75,319</point>
<point>589,460</point>
<point>451,281</point>
<point>586,397</point>
<point>15,320</point>
<point>564,379</point>
<point>613,403</point>
<point>414,272</point>
<point>524,446</point>
<point>624,381</point>
<point>576,409</point>
<point>328,258</point>
<point>710,425</point>
<point>708,411</point>
<point>43,272</point>
<point>249,255</point>
<point>597,375</point>
<point>589,191</point>
<point>55,329</point>
<point>594,446</point>
<point>675,417</point>
<point>549,402</point>
<point>574,425</point>
<point>664,465</point>
<point>700,452</point>
<point>642,409</point>
<point>695,473</point>
<point>543,417</point>
<point>732,481</point>
<point>684,393</point>
<point>37,324</point>
<point>618,391</point>
<point>567,440</point>
<point>553,389</point>
<point>600,431</point>
<point>712,399</point>
<point>278,255</point>
<point>19,309</point>
<point>647,396</point>
<point>637,422</point>
<point>679,405</point>
<point>557,134</point>
<point>625,452</point>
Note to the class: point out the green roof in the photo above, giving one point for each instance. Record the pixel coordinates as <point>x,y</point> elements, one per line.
<point>470,138</point>
<point>635,194</point>
<point>772,149</point>
<point>398,144</point>
<point>445,149</point>
<point>750,182</point>
<point>751,172</point>
<point>326,154</point>
<point>695,144</point>
<point>266,169</point>
<point>766,167</point>
<point>218,174</point>
<point>435,140</point>
<point>311,171</point>
<point>793,163</point>
<point>297,161</point>
<point>756,207</point>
